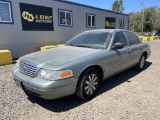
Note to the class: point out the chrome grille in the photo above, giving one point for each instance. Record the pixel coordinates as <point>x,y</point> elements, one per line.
<point>27,69</point>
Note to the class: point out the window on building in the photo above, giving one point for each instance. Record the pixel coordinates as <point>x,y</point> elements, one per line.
<point>65,17</point>
<point>5,12</point>
<point>90,20</point>
<point>121,22</point>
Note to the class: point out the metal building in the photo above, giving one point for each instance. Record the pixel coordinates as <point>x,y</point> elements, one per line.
<point>27,25</point>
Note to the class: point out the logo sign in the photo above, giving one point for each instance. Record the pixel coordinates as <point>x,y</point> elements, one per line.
<point>107,24</point>
<point>110,23</point>
<point>27,16</point>
<point>36,18</point>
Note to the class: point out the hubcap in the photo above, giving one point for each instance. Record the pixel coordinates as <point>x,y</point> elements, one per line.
<point>91,84</point>
<point>142,62</point>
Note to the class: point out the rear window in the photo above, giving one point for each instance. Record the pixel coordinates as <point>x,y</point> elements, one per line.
<point>132,38</point>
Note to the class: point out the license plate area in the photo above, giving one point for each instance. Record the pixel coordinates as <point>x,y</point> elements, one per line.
<point>18,83</point>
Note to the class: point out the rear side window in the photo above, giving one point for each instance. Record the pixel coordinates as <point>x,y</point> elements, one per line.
<point>119,38</point>
<point>132,38</point>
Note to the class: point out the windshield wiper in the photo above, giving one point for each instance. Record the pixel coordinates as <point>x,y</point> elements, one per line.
<point>70,44</point>
<point>83,46</point>
<point>79,45</point>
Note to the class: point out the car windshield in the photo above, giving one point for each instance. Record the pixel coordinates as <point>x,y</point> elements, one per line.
<point>91,40</point>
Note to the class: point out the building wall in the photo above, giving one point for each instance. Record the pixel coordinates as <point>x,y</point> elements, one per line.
<point>21,42</point>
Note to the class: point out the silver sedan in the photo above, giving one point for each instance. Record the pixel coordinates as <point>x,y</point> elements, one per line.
<point>81,65</point>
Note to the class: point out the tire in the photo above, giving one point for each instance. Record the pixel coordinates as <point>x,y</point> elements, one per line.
<point>88,84</point>
<point>141,63</point>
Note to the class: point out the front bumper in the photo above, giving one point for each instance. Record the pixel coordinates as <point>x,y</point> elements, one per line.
<point>44,88</point>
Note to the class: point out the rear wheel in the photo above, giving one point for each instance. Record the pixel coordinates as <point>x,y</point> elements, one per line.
<point>88,84</point>
<point>141,62</point>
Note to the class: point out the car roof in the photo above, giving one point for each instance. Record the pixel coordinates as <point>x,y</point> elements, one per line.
<point>105,30</point>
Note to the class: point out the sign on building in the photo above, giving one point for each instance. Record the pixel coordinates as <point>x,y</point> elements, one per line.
<point>110,23</point>
<point>36,18</point>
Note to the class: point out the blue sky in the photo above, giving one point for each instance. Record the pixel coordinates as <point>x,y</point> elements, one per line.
<point>130,5</point>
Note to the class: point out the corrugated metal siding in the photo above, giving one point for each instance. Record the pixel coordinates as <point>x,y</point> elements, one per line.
<point>23,42</point>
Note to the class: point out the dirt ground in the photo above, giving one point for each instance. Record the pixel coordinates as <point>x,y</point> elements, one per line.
<point>131,95</point>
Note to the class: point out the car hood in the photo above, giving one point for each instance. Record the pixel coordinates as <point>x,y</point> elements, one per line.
<point>59,56</point>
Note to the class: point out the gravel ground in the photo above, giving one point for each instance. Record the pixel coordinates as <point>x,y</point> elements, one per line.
<point>131,95</point>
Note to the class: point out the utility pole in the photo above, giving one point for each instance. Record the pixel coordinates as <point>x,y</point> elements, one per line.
<point>142,15</point>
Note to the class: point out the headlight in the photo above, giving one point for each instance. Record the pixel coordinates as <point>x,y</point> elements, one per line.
<point>18,62</point>
<point>54,75</point>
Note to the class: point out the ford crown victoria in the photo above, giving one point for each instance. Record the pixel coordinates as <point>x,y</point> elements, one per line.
<point>81,65</point>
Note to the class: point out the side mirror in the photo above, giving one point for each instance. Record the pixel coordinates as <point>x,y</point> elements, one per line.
<point>117,46</point>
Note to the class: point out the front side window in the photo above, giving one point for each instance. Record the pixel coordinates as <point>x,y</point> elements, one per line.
<point>65,17</point>
<point>90,20</point>
<point>132,38</point>
<point>119,38</point>
<point>91,40</point>
<point>5,12</point>
<point>121,23</point>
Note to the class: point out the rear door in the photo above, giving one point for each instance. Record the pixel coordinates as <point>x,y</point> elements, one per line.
<point>120,58</point>
<point>135,46</point>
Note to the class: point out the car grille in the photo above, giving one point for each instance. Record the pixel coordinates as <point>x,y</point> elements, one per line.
<point>27,69</point>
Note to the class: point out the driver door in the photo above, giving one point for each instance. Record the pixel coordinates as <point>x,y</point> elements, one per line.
<point>120,58</point>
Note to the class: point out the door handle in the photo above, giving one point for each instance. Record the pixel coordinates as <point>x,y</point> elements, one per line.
<point>129,51</point>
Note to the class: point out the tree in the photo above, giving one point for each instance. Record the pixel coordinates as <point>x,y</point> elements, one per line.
<point>151,20</point>
<point>135,21</point>
<point>158,19</point>
<point>117,6</point>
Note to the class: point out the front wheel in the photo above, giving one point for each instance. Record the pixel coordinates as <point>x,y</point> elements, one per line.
<point>88,84</point>
<point>141,62</point>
